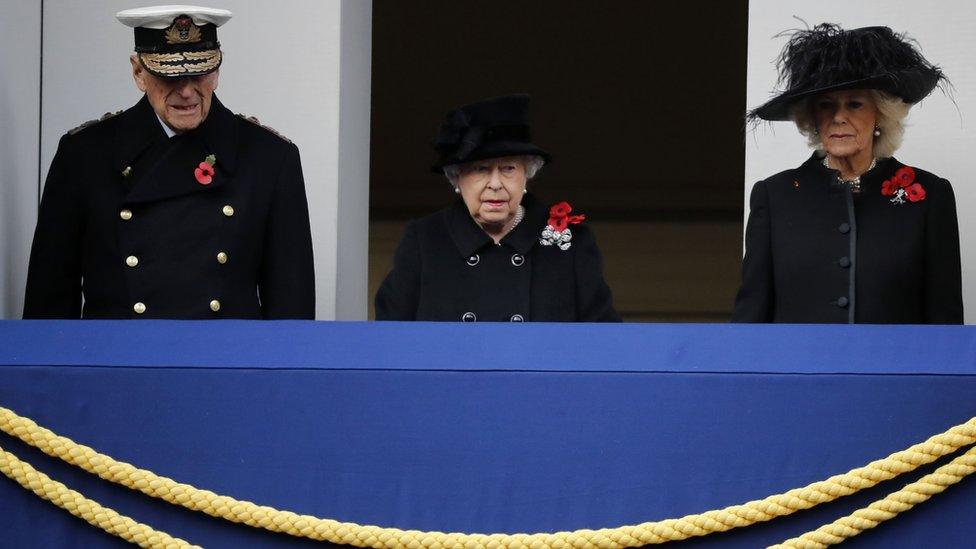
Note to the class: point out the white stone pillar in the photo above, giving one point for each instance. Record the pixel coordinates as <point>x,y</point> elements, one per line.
<point>20,91</point>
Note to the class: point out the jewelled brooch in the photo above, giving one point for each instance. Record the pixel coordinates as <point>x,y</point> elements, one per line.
<point>902,186</point>
<point>557,231</point>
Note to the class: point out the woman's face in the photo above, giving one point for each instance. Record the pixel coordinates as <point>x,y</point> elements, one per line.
<point>845,121</point>
<point>492,189</point>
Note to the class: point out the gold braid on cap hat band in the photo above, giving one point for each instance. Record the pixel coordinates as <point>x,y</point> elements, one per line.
<point>194,55</point>
<point>161,62</point>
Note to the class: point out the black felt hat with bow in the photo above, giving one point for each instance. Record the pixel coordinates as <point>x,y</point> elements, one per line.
<point>829,58</point>
<point>492,128</point>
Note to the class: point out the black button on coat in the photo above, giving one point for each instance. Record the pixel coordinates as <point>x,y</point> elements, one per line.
<point>120,192</point>
<point>818,253</point>
<point>447,268</point>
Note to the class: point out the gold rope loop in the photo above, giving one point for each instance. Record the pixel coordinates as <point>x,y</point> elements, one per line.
<point>89,510</point>
<point>888,508</point>
<point>268,518</point>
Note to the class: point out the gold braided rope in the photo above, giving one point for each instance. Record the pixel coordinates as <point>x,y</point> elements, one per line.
<point>357,535</point>
<point>89,510</point>
<point>886,509</point>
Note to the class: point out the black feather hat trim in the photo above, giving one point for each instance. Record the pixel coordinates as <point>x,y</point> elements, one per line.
<point>828,58</point>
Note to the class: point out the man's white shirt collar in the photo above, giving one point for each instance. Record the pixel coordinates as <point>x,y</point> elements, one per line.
<point>169,131</point>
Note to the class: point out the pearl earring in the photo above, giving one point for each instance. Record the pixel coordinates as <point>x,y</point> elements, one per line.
<point>877,131</point>
<point>457,190</point>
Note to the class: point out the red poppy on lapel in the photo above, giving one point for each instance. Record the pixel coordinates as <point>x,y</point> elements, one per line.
<point>559,217</point>
<point>889,187</point>
<point>915,192</point>
<point>905,176</point>
<point>560,209</point>
<point>902,186</point>
<point>557,230</point>
<point>205,171</point>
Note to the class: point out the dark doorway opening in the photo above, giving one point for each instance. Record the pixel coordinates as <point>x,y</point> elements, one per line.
<point>641,104</point>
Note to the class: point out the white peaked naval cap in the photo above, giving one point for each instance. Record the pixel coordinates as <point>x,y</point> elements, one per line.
<point>161,17</point>
<point>176,41</point>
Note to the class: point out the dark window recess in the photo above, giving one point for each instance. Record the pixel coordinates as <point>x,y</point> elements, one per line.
<point>640,103</point>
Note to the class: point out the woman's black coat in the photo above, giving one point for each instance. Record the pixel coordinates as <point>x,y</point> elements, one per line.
<point>447,268</point>
<point>818,253</point>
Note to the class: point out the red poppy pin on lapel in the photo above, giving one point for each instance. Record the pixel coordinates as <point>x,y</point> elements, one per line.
<point>205,171</point>
<point>557,232</point>
<point>902,186</point>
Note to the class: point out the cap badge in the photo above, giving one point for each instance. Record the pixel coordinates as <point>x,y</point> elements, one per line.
<point>183,31</point>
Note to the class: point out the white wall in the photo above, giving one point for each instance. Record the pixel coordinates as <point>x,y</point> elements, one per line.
<point>352,233</point>
<point>20,87</point>
<point>283,66</point>
<point>941,137</point>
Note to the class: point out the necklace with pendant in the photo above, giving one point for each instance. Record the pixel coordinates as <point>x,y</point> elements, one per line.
<point>854,184</point>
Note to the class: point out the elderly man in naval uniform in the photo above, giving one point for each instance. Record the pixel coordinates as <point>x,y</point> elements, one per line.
<point>174,208</point>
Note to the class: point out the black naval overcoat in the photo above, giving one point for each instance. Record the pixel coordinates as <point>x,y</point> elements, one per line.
<point>447,268</point>
<point>818,253</point>
<point>125,224</point>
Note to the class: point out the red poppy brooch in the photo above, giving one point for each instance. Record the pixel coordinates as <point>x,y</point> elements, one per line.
<point>557,231</point>
<point>205,171</point>
<point>902,186</point>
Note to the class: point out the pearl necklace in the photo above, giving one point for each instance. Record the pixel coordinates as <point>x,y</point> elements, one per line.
<point>519,214</point>
<point>854,184</point>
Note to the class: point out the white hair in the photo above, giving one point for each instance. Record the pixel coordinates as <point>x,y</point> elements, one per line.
<point>892,112</point>
<point>533,163</point>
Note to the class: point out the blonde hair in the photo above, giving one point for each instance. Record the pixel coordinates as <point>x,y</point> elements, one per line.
<point>892,112</point>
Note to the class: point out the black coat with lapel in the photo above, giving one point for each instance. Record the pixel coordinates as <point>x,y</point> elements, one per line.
<point>120,189</point>
<point>447,268</point>
<point>818,253</point>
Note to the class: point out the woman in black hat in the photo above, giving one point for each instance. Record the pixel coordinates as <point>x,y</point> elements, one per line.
<point>852,235</point>
<point>497,253</point>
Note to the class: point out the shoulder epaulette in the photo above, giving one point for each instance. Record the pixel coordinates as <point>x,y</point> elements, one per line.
<point>104,117</point>
<point>256,122</point>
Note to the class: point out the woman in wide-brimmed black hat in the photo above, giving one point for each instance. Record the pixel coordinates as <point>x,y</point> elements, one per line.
<point>852,235</point>
<point>497,253</point>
